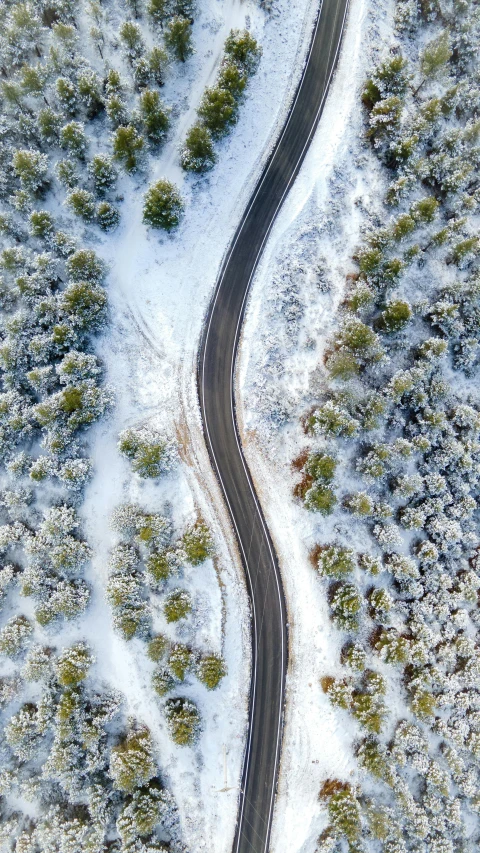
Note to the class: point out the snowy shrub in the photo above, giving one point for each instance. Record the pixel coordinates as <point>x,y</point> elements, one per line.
<point>155,117</point>
<point>21,733</point>
<point>131,762</point>
<point>392,647</point>
<point>346,604</point>
<point>320,498</point>
<point>150,454</point>
<point>359,504</point>
<point>183,720</point>
<point>210,670</point>
<point>158,647</point>
<point>180,660</point>
<point>103,173</point>
<point>37,663</point>
<point>82,204</point>
<point>178,604</point>
<point>162,681</point>
<point>107,216</point>
<point>197,543</point>
<point>73,664</point>
<point>335,561</point>
<point>15,635</point>
<point>163,206</point>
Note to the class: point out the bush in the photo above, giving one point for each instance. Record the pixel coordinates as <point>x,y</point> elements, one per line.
<point>344,813</point>
<point>67,174</point>
<point>183,720</point>
<point>211,669</point>
<point>73,664</point>
<point>72,137</point>
<point>15,635</point>
<point>346,604</point>
<point>232,78</point>
<point>131,762</point>
<point>158,647</point>
<point>162,682</point>
<point>84,265</point>
<point>163,206</point>
<point>150,454</point>
<point>82,204</point>
<point>321,467</point>
<point>197,154</point>
<point>107,216</point>
<point>41,223</point>
<point>180,661</point>
<point>395,316</point>
<point>177,605</point>
<point>103,173</point>
<point>335,561</point>
<point>320,499</point>
<point>197,543</point>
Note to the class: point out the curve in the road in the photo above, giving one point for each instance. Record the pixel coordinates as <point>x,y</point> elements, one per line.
<point>216,375</point>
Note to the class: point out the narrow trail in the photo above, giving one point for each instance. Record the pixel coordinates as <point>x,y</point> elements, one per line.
<point>216,388</point>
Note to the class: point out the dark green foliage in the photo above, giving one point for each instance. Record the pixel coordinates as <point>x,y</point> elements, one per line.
<point>321,467</point>
<point>320,498</point>
<point>73,665</point>
<point>72,137</point>
<point>242,48</point>
<point>107,216</point>
<point>197,154</point>
<point>154,116</point>
<point>218,111</point>
<point>163,206</point>
<point>335,561</point>
<point>178,37</point>
<point>127,147</point>
<point>82,204</point>
<point>103,173</point>
<point>232,78</point>
<point>180,660</point>
<point>148,452</point>
<point>395,316</point>
<point>84,265</point>
<point>41,223</point>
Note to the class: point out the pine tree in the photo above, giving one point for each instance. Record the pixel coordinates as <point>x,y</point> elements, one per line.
<point>218,111</point>
<point>107,216</point>
<point>127,147</point>
<point>211,669</point>
<point>197,154</point>
<point>73,139</point>
<point>183,720</point>
<point>154,116</point>
<point>163,206</point>
<point>131,762</point>
<point>178,37</point>
<point>103,173</point>
<point>82,204</point>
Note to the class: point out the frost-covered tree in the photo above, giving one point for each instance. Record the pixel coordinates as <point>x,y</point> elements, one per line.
<point>183,720</point>
<point>163,206</point>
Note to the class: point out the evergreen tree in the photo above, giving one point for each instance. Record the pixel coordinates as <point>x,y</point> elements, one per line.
<point>154,116</point>
<point>127,147</point>
<point>197,154</point>
<point>218,111</point>
<point>163,206</point>
<point>178,37</point>
<point>103,173</point>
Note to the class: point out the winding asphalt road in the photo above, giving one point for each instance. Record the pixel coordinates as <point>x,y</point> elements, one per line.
<point>216,370</point>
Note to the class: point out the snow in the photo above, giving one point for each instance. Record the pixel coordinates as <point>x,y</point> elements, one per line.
<point>159,288</point>
<point>297,288</point>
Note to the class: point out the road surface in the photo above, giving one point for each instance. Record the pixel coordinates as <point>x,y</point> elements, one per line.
<point>216,368</point>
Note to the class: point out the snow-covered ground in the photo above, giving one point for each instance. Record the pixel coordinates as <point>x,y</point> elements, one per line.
<point>159,288</point>
<point>298,286</point>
